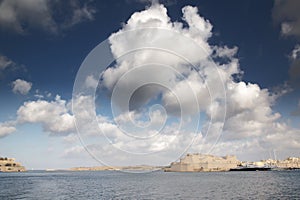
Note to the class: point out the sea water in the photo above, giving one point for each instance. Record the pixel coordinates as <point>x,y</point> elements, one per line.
<point>154,185</point>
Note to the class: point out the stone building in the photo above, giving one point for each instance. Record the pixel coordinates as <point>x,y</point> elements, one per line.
<point>10,165</point>
<point>288,163</point>
<point>205,163</point>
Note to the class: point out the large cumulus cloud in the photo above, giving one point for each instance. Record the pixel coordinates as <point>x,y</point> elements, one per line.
<point>249,118</point>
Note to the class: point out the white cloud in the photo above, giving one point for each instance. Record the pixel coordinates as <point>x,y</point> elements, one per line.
<point>281,89</point>
<point>155,117</point>
<point>225,51</point>
<point>181,91</point>
<point>248,112</point>
<point>91,82</point>
<point>80,13</point>
<point>249,120</point>
<point>21,86</point>
<point>296,52</point>
<point>294,70</point>
<point>71,139</point>
<point>54,115</point>
<point>20,16</point>
<point>77,152</point>
<point>283,138</point>
<point>198,29</point>
<point>6,129</point>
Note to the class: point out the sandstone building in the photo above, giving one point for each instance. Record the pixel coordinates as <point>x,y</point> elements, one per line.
<point>10,165</point>
<point>288,163</point>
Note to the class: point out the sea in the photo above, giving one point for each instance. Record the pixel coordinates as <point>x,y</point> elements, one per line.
<point>151,185</point>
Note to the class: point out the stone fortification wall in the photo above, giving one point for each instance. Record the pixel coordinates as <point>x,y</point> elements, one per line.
<point>200,162</point>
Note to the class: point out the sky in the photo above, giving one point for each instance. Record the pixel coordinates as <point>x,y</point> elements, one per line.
<point>85,83</point>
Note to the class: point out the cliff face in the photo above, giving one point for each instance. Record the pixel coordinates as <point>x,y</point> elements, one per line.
<point>199,162</point>
<point>10,165</point>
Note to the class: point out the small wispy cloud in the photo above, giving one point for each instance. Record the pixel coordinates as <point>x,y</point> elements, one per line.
<point>20,86</point>
<point>5,62</point>
<point>6,128</point>
<point>287,14</point>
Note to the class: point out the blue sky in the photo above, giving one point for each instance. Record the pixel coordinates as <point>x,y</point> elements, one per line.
<point>43,44</point>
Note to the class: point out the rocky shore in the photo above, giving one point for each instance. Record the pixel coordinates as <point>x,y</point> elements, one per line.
<point>118,168</point>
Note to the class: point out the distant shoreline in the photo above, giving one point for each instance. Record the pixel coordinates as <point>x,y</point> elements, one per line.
<point>190,163</point>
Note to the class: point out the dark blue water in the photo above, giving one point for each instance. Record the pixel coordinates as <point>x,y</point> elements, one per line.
<point>156,185</point>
